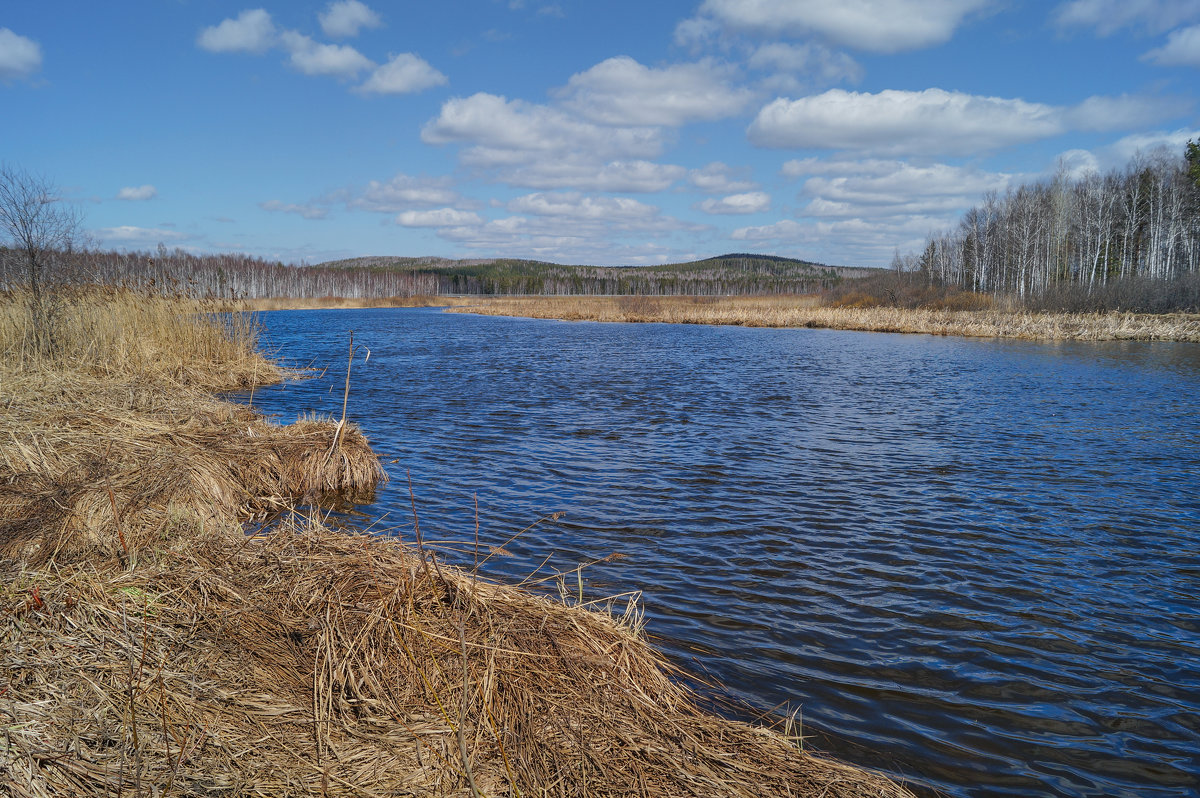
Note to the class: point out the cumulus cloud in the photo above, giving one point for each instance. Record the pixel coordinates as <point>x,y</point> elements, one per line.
<point>929,121</point>
<point>880,26</point>
<point>306,211</point>
<point>405,192</point>
<point>440,217</point>
<point>621,91</point>
<point>572,226</point>
<point>1077,163</point>
<point>578,171</point>
<point>19,57</point>
<point>250,32</point>
<point>935,121</point>
<point>1122,112</point>
<point>574,205</point>
<point>136,193</point>
<point>860,211</point>
<point>1108,16</point>
<point>750,202</point>
<point>795,66</point>
<point>719,178</point>
<point>129,236</point>
<point>1182,49</point>
<point>882,188</point>
<point>344,19</point>
<point>504,132</point>
<point>403,74</point>
<point>851,242</point>
<point>313,58</point>
<point>1121,151</point>
<point>783,230</point>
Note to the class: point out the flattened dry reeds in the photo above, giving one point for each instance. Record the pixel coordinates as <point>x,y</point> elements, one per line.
<point>315,662</point>
<point>149,647</point>
<point>346,302</point>
<point>806,311</point>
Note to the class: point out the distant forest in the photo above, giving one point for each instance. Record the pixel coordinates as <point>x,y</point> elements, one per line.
<point>1126,239</point>
<point>239,276</point>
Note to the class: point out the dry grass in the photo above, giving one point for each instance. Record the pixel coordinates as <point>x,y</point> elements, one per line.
<point>807,311</point>
<point>149,647</point>
<point>343,303</point>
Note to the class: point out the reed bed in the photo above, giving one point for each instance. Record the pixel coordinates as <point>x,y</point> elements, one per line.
<point>807,311</point>
<point>343,303</point>
<point>149,646</point>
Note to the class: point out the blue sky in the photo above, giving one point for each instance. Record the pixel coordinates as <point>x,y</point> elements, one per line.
<point>578,131</point>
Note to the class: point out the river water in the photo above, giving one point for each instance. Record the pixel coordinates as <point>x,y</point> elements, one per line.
<point>972,563</point>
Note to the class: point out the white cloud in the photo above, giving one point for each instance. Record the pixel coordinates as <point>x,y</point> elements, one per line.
<point>576,206</point>
<point>1120,152</point>
<point>881,26</point>
<point>781,230</point>
<point>751,202</point>
<point>19,57</point>
<point>1182,49</point>
<point>505,132</point>
<point>567,227</point>
<point>1108,16</point>
<point>1122,112</point>
<point>311,58</point>
<point>403,74</point>
<point>620,91</point>
<point>1077,163</point>
<point>441,217</point>
<point>798,65</point>
<point>848,242</point>
<point>307,211</point>
<point>719,178</point>
<point>135,193</point>
<point>929,121</point>
<point>878,189</point>
<point>938,122</point>
<point>251,32</point>
<point>131,236</point>
<point>404,192</point>
<point>580,172</point>
<point>344,19</point>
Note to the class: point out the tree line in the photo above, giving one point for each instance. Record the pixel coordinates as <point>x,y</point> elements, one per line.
<point>1116,240</point>
<point>242,276</point>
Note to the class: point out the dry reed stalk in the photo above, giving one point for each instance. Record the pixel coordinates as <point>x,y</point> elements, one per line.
<point>347,303</point>
<point>301,660</point>
<point>780,311</point>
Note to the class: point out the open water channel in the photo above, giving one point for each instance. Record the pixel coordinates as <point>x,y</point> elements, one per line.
<point>972,563</point>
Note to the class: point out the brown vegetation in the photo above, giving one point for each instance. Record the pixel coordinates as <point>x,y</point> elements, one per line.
<point>852,312</point>
<point>345,303</point>
<point>149,646</point>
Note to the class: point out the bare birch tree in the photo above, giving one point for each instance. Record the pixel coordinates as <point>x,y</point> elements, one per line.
<point>39,227</point>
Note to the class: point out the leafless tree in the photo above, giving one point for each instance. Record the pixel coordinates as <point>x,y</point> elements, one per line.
<point>39,227</point>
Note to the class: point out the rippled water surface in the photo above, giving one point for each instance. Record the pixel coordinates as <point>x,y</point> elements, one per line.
<point>973,563</point>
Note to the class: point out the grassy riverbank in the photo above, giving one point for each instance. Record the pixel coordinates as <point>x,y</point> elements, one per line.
<point>347,303</point>
<point>807,311</point>
<point>150,646</point>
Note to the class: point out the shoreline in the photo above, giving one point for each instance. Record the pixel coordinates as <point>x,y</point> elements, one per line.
<point>151,644</point>
<point>780,311</point>
<point>806,312</point>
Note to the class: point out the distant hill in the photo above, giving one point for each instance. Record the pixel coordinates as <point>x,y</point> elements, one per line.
<point>383,276</point>
<point>735,273</point>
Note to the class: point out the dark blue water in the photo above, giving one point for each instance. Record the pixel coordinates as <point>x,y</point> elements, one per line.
<point>973,563</point>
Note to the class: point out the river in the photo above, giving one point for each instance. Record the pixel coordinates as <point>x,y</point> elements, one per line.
<point>974,564</point>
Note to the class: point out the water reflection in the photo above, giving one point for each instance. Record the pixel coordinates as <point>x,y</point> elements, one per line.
<point>972,562</point>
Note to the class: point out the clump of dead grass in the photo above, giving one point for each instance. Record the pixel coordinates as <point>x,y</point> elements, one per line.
<point>307,661</point>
